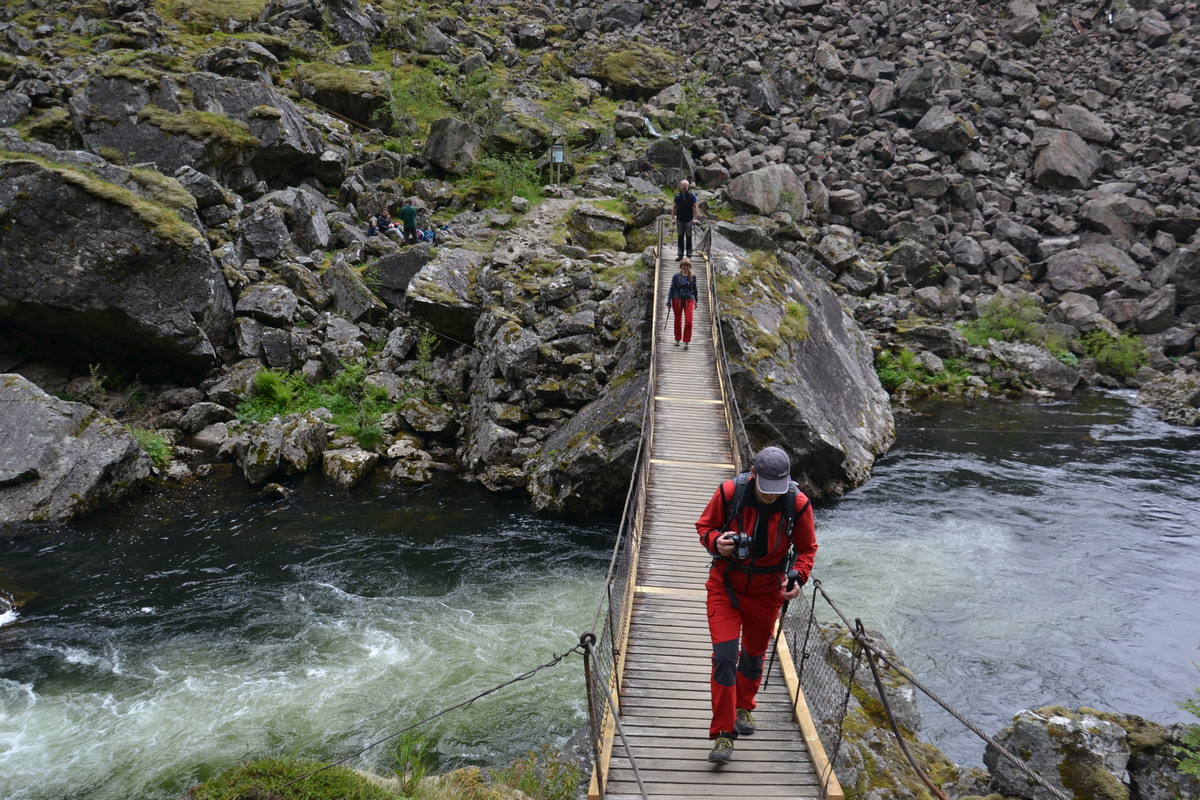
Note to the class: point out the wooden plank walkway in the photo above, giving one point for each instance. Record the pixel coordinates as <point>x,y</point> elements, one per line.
<point>665,705</point>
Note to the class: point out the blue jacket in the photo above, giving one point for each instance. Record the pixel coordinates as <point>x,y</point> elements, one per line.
<point>683,288</point>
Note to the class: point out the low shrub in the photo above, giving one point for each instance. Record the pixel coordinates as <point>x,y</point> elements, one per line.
<point>1115,355</point>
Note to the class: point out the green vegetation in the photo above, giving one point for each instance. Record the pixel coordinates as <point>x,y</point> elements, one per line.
<point>500,178</point>
<point>1116,355</point>
<point>794,325</point>
<point>1189,751</point>
<point>1021,320</point>
<point>412,761</point>
<point>543,775</point>
<point>357,407</point>
<point>897,368</point>
<point>696,111</point>
<point>267,779</point>
<point>201,125</point>
<point>1005,320</point>
<point>417,99</point>
<point>202,16</point>
<point>155,446</point>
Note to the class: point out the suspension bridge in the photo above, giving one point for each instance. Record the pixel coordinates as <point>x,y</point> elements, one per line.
<point>647,653</point>
<point>652,738</point>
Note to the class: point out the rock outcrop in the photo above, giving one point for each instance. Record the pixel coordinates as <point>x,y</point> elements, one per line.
<point>802,371</point>
<point>60,459</point>
<point>110,268</point>
<point>1090,755</point>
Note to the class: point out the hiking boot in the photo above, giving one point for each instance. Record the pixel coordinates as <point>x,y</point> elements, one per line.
<point>745,723</point>
<point>679,257</point>
<point>722,751</point>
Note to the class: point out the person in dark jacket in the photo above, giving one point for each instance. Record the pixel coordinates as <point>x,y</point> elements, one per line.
<point>682,300</point>
<point>685,211</point>
<point>746,594</point>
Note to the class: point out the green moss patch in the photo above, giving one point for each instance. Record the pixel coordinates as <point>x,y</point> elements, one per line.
<point>200,125</point>
<point>327,77</point>
<point>164,221</point>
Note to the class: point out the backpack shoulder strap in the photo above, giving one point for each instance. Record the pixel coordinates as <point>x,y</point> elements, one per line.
<point>734,505</point>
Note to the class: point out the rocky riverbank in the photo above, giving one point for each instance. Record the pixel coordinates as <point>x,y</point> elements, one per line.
<point>1083,753</point>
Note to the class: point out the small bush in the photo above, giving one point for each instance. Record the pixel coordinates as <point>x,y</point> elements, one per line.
<point>1006,320</point>
<point>1115,355</point>
<point>355,405</point>
<point>543,775</point>
<point>155,446</point>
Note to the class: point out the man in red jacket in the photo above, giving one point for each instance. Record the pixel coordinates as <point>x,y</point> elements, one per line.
<point>747,583</point>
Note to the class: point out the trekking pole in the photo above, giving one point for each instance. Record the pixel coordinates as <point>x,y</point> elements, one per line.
<point>792,576</point>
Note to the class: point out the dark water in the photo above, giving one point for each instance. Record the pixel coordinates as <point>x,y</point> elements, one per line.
<point>1016,555</point>
<point>1022,555</point>
<point>187,632</point>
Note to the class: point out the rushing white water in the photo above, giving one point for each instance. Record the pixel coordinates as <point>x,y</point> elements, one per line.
<point>1016,555</point>
<point>266,638</point>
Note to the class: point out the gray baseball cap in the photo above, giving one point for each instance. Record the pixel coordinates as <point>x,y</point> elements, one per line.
<point>772,470</point>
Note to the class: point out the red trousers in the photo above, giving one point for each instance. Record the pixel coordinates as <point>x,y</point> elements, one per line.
<point>683,318</point>
<point>737,671</point>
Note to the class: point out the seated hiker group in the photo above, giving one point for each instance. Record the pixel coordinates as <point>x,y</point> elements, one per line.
<point>406,229</point>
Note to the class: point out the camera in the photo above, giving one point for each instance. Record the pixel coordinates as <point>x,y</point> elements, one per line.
<point>742,545</point>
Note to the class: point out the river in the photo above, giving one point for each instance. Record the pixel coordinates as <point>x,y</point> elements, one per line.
<point>1015,554</point>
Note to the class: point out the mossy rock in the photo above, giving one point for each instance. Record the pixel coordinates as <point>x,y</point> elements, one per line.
<point>201,125</point>
<point>203,16</point>
<point>634,70</point>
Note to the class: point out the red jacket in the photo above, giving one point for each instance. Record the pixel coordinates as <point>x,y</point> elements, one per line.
<point>803,537</point>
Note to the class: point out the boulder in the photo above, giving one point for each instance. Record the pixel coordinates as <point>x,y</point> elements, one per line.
<point>1035,361</point>
<point>587,461</point>
<point>1117,215</point>
<point>767,190</point>
<point>217,124</point>
<point>803,373</point>
<point>396,271</point>
<point>1087,124</point>
<point>144,285</point>
<point>942,130</point>
<point>1090,754</point>
<point>453,145</point>
<point>1066,162</point>
<point>258,451</point>
<point>1182,269</point>
<point>360,95</point>
<point>264,234</point>
<point>1175,396</point>
<point>203,414</point>
<point>426,418</point>
<point>270,305</point>
<point>596,228</point>
<point>304,438</point>
<point>60,459</point>
<point>440,294</point>
<point>633,70</point>
<point>1055,742</point>
<point>350,295</point>
<point>347,467</point>
<point>1088,269</point>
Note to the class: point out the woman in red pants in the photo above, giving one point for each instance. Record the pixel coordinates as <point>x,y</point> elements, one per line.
<point>747,583</point>
<point>682,300</point>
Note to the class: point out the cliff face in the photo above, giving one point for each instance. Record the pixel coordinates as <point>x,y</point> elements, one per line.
<point>973,198</point>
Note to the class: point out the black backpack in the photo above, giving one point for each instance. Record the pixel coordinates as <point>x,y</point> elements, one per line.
<point>734,506</point>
